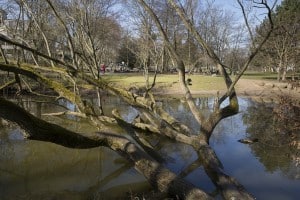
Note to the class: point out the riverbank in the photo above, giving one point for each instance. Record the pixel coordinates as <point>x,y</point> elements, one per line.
<point>258,88</point>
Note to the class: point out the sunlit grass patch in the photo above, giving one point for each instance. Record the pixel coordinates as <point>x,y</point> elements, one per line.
<point>199,82</point>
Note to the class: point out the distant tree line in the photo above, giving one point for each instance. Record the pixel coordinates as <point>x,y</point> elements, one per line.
<point>281,53</point>
<point>90,33</point>
<point>87,34</point>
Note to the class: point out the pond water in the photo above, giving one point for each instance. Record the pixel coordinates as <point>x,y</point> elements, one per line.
<point>40,170</point>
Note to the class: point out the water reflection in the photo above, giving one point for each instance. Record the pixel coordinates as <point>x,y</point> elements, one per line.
<point>180,110</point>
<point>39,170</point>
<point>276,135</point>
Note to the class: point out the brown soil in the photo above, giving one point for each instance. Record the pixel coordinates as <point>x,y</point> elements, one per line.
<point>267,90</point>
<point>259,90</point>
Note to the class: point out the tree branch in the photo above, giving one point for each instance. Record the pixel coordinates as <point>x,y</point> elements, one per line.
<point>57,87</point>
<point>179,64</point>
<point>158,176</point>
<point>36,52</point>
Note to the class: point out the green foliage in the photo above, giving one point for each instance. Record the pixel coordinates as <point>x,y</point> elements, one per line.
<point>288,8</point>
<point>126,53</point>
<point>282,49</point>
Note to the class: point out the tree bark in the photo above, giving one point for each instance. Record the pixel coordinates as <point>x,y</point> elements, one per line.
<point>228,186</point>
<point>158,176</point>
<point>56,86</point>
<point>165,128</point>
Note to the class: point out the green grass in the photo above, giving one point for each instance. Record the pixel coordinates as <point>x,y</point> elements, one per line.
<point>260,75</point>
<point>266,76</point>
<point>199,82</point>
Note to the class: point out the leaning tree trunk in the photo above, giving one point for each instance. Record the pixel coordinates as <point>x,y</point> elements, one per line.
<point>157,175</point>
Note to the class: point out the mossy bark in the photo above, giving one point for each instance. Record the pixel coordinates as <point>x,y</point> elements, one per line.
<point>158,176</point>
<point>32,73</point>
<point>166,125</point>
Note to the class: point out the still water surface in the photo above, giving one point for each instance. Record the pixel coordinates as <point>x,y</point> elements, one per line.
<point>40,170</point>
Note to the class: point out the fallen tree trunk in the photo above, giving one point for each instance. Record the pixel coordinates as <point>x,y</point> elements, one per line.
<point>229,187</point>
<point>30,72</point>
<point>159,177</point>
<point>168,126</point>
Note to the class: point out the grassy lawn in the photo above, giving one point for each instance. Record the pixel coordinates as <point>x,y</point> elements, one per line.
<point>266,76</point>
<point>260,75</point>
<point>199,82</point>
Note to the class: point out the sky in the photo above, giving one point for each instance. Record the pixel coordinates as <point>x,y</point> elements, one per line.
<point>230,5</point>
<point>233,6</point>
<point>226,4</point>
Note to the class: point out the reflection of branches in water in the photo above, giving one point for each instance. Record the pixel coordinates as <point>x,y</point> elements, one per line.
<point>277,128</point>
<point>287,114</point>
<point>94,190</point>
<point>180,110</point>
<point>180,152</point>
<point>42,106</point>
<point>190,168</point>
<point>276,125</point>
<point>7,151</point>
<point>124,191</point>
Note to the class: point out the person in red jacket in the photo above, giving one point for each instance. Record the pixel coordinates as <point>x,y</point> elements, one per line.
<point>102,68</point>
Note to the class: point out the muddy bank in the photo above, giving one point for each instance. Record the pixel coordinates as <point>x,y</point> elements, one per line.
<point>258,90</point>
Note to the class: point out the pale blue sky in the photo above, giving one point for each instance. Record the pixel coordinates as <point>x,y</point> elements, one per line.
<point>233,6</point>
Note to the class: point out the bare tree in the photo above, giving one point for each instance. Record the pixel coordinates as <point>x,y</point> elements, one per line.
<point>207,125</point>
<point>281,49</point>
<point>95,35</point>
<point>154,118</point>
